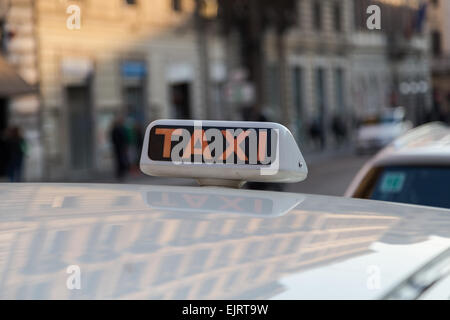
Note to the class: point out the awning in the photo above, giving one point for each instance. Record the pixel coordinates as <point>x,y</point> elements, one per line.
<point>11,83</point>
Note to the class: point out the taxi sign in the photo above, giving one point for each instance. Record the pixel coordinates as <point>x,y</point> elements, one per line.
<point>222,152</point>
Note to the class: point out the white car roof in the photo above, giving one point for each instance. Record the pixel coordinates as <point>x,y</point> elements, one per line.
<point>156,242</point>
<point>428,144</point>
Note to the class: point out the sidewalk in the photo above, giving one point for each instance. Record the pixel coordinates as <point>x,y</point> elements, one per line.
<point>319,157</point>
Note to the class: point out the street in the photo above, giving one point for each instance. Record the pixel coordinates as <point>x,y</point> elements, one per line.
<point>330,176</point>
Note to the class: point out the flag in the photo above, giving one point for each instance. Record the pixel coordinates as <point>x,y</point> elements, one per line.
<point>420,17</point>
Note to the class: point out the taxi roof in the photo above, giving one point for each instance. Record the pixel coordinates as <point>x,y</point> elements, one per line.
<point>156,242</point>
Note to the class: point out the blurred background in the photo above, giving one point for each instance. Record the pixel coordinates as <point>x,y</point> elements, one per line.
<point>81,79</point>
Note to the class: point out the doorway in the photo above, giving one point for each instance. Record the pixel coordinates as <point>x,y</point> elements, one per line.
<point>134,99</point>
<point>3,126</point>
<point>80,127</point>
<point>181,100</point>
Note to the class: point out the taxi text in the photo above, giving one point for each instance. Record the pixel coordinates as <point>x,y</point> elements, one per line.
<point>214,145</point>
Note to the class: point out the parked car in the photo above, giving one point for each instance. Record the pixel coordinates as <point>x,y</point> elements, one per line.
<point>376,132</point>
<point>414,169</point>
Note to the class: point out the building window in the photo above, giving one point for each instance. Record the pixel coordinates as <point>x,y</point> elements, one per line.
<point>317,15</point>
<point>318,127</point>
<point>359,14</point>
<point>298,93</point>
<point>320,93</point>
<point>180,95</point>
<point>274,86</point>
<point>340,90</point>
<point>3,37</point>
<point>299,22</point>
<point>436,43</point>
<point>337,17</point>
<point>176,6</point>
<point>134,75</point>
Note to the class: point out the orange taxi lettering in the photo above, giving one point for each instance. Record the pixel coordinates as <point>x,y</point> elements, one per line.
<point>167,140</point>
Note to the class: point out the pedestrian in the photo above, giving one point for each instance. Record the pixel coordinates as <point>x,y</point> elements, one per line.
<point>139,140</point>
<point>339,129</point>
<point>15,151</point>
<point>3,153</point>
<point>316,133</point>
<point>131,144</point>
<point>134,138</point>
<point>119,140</point>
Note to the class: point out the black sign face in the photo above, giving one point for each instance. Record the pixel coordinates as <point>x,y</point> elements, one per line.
<point>189,144</point>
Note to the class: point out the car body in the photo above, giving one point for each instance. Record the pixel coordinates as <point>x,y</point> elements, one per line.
<point>157,242</point>
<point>377,132</point>
<point>414,169</point>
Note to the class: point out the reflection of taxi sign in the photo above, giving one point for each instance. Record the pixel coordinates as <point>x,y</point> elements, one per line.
<point>218,200</point>
<point>222,152</point>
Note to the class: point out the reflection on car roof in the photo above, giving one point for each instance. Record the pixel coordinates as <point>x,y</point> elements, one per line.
<point>434,135</point>
<point>132,244</point>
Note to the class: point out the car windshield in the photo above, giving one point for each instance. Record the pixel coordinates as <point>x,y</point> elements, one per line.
<point>415,185</point>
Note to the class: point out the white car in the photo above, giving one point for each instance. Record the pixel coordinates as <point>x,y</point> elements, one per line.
<point>377,132</point>
<point>414,169</point>
<point>75,241</point>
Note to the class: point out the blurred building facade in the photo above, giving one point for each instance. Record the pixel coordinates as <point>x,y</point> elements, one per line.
<point>15,83</point>
<point>340,70</point>
<point>391,66</point>
<point>143,59</point>
<point>440,47</point>
<point>138,58</point>
<point>318,49</point>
